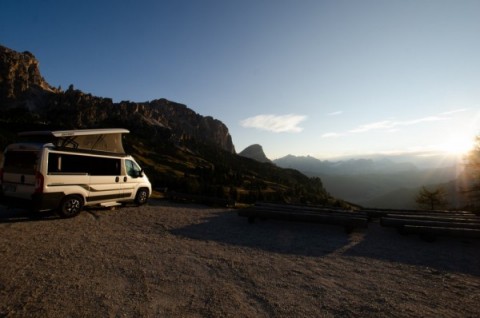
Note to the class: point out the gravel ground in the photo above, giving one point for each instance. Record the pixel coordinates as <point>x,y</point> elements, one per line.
<point>172,260</point>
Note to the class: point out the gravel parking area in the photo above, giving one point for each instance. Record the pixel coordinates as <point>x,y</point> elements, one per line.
<point>176,260</point>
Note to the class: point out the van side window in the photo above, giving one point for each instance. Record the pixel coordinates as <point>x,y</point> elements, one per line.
<point>104,166</point>
<point>59,163</point>
<point>133,170</point>
<point>65,164</point>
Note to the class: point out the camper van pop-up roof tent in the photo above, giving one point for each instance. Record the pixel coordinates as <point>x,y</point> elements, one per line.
<point>95,140</point>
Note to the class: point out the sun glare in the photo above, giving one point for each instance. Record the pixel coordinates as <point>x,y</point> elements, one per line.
<point>457,145</point>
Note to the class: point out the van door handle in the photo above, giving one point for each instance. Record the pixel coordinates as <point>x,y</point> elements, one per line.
<point>124,179</point>
<point>117,179</point>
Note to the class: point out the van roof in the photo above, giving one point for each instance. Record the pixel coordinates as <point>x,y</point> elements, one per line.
<point>27,146</point>
<point>107,140</point>
<point>76,132</point>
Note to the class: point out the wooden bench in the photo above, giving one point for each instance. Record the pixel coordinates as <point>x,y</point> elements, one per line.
<point>350,220</point>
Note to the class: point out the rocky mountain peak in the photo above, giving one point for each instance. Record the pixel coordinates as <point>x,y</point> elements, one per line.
<point>19,73</point>
<point>255,152</point>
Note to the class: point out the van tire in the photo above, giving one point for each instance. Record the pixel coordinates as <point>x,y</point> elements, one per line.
<point>70,206</point>
<point>142,196</point>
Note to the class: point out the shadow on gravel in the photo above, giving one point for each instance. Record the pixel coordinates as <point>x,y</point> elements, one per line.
<point>16,215</point>
<point>270,235</point>
<point>444,254</point>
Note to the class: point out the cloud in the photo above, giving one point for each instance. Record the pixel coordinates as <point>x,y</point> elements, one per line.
<point>460,110</point>
<point>392,125</point>
<point>335,113</point>
<point>331,135</point>
<point>386,124</point>
<point>420,120</point>
<point>275,123</point>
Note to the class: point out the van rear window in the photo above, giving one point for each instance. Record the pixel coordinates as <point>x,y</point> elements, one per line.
<point>95,166</point>
<point>23,162</point>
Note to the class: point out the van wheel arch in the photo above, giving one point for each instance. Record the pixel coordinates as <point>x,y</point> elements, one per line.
<point>142,196</point>
<point>71,205</point>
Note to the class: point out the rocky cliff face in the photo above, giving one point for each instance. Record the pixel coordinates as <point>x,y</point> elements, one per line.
<point>19,74</point>
<point>255,152</point>
<point>23,89</point>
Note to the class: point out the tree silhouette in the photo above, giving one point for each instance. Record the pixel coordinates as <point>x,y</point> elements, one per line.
<point>472,169</point>
<point>431,200</point>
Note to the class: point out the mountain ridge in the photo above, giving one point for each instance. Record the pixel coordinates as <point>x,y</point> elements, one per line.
<point>338,167</point>
<point>22,88</point>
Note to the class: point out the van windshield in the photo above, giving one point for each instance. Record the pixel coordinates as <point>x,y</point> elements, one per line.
<point>23,162</point>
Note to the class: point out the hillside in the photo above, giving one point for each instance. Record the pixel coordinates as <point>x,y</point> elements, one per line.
<point>181,150</point>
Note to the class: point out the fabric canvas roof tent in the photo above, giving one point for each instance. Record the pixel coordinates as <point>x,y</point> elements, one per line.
<point>103,140</point>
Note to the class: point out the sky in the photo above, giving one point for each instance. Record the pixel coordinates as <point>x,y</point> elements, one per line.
<point>302,77</point>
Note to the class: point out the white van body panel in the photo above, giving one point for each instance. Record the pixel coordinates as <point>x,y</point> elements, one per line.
<point>103,188</point>
<point>66,185</point>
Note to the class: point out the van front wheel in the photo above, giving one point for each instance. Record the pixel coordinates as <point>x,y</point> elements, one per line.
<point>70,206</point>
<point>141,197</point>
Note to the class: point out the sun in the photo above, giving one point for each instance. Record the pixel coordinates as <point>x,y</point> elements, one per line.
<point>457,144</point>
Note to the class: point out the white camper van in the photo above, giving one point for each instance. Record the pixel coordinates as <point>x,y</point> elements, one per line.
<point>66,170</point>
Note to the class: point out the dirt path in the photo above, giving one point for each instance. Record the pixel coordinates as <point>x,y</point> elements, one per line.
<point>168,260</point>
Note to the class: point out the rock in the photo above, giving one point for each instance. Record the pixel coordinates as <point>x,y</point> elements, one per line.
<point>255,152</point>
<point>19,73</point>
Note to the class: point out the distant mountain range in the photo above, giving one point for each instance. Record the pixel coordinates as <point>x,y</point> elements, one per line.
<point>379,181</point>
<point>383,182</point>
<point>315,166</point>
<point>369,163</point>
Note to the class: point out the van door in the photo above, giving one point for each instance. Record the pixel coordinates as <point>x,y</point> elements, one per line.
<point>19,173</point>
<point>132,178</point>
<point>105,180</point>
